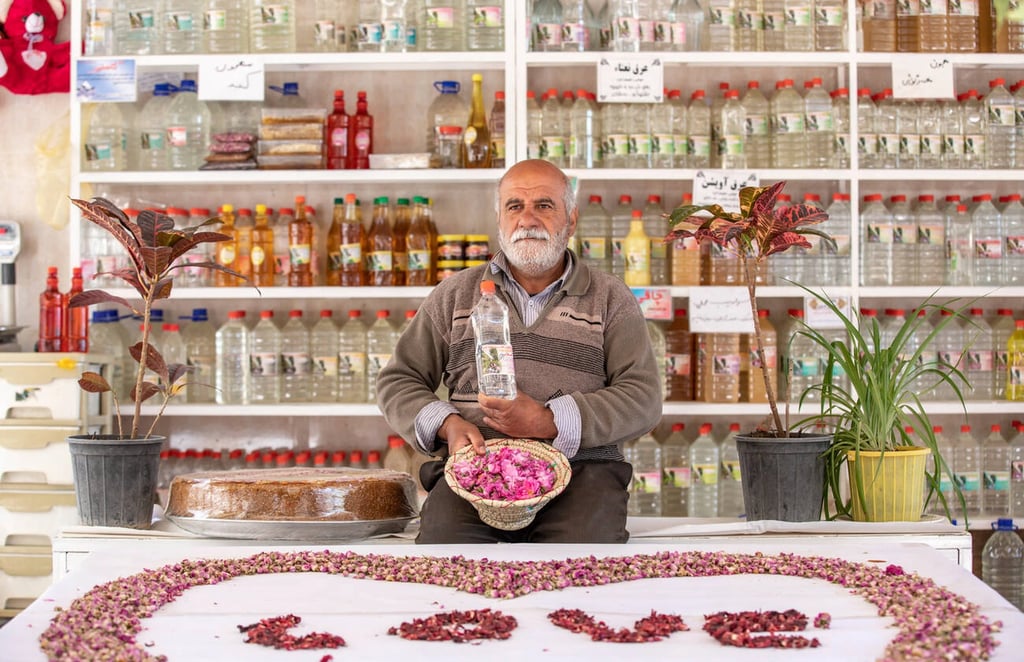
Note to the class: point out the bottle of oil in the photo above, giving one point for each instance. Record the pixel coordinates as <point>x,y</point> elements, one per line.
<point>933,27</point>
<point>403,219</point>
<point>476,140</point>
<point>261,251</point>
<point>718,367</point>
<point>679,362</point>
<point>636,249</point>
<point>752,385</point>
<point>380,245</point>
<point>350,252</point>
<point>419,246</point>
<point>300,247</point>
<point>226,250</point>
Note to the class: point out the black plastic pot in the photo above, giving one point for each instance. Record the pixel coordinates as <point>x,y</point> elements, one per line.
<point>115,479</point>
<point>783,479</point>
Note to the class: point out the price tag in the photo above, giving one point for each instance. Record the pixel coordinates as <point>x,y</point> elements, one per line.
<point>819,316</point>
<point>720,310</point>
<point>722,187</point>
<point>655,302</point>
<point>922,77</point>
<point>630,80</point>
<point>105,80</point>
<point>231,78</point>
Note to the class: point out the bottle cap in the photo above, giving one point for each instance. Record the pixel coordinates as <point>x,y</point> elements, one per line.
<point>487,287</point>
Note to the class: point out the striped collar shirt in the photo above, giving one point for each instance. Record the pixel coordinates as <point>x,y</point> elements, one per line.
<point>529,307</point>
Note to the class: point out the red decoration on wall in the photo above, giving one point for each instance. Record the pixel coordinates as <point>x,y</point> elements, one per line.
<point>30,63</point>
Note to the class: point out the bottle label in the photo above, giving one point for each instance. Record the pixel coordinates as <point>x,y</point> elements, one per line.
<point>663,34</point>
<point>721,15</point>
<point>275,15</point>
<point>678,477</point>
<point>546,36</point>
<point>265,364</point>
<point>882,9</point>
<point>550,146</point>
<point>706,474</point>
<point>215,19</point>
<point>496,359</point>
<point>351,365</point>
<point>774,22</point>
<point>678,365</point>
<point>730,145</point>
<point>350,255</point>
<point>1001,115</point>
<point>533,150</point>
<point>867,143</point>
<point>789,123</point>
<point>295,363</point>
<point>680,144</point>
<point>969,481</point>
<point>323,34</point>
<point>698,146</point>
<point>974,145</point>
<point>627,28</point>
<point>953,144</point>
<point>998,481</point>
<point>141,19</point>
<point>418,260</point>
<point>771,358</point>
<point>679,33</point>
<point>731,470</point>
<point>646,482</point>
<point>663,144</point>
<point>363,140</point>
<point>980,360</point>
<point>803,366</point>
<point>325,366</point>
<point>725,364</point>
<point>339,139</point>
<point>177,136</point>
<point>370,33</point>
<point>152,140</point>
<point>904,233</point>
<point>618,144</point>
<point>889,143</point>
<point>226,254</point>
<point>379,261</point>
<point>375,362</point>
<point>931,144</point>
<point>179,21</point>
<point>819,121</point>
<point>932,7</point>
<point>988,249</point>
<point>756,125</point>
<point>646,32</point>
<point>638,261</point>
<point>282,264</point>
<point>963,8</point>
<point>749,20</point>
<point>640,143</point>
<point>393,31</point>
<point>908,8</point>
<point>98,152</point>
<point>488,16</point>
<point>299,254</point>
<point>497,148</point>
<point>880,233</point>
<point>831,17</point>
<point>798,16</point>
<point>910,144</point>
<point>659,251</point>
<point>932,235</point>
<point>842,145</point>
<point>440,17</point>
<point>202,369</point>
<point>1015,246</point>
<point>593,248</point>
<point>257,256</point>
<point>1017,470</point>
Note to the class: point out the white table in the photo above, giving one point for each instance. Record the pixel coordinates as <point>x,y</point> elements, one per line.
<point>200,625</point>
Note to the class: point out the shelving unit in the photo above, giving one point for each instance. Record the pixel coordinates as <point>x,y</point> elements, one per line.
<point>400,91</point>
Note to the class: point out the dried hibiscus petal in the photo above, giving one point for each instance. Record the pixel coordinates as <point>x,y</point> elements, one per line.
<point>451,626</point>
<point>273,633</point>
<point>650,628</point>
<point>734,629</point>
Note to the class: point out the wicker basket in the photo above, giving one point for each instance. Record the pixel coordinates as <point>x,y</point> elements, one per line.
<point>512,515</point>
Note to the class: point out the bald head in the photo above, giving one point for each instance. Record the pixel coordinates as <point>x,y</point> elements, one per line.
<point>541,169</point>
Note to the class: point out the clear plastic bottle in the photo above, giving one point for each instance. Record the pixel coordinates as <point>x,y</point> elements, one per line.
<point>496,127</point>
<point>584,133</point>
<point>225,26</point>
<point>995,465</point>
<point>904,242</point>
<point>835,258</point>
<point>265,361</point>
<point>704,461</point>
<point>802,360</point>
<point>879,27</point>
<point>730,485</point>
<point>398,456</point>
<point>594,230</point>
<point>1002,328</point>
<point>188,128</point>
<point>975,123</point>
<point>719,26</point>
<point>952,134</point>
<point>396,18</point>
<point>553,146</point>
<point>931,242</point>
<point>945,446</point>
<point>380,345</point>
<point>645,488</point>
<point>172,346</point>
<point>888,152</point>
<point>98,28</point>
<point>182,27</point>
<point>799,20</point>
<point>731,141</point>
<point>1017,474</point>
<point>967,461</point>
<point>200,338</point>
<point>232,369</point>
<point>576,21</point>
<point>138,27</point>
<point>717,368</point>
<point>370,31</point>
<point>1002,562</point>
<point>105,140</point>
<point>295,359</point>
<point>909,134</point>
<point>841,122</point>
<point>867,137</point>
<point>442,25</point>
<point>151,130</point>
<point>688,26</point>
<point>929,127</point>
<point>675,473</point>
<point>655,226</point>
<point>621,217</point>
<point>272,26</point>
<point>877,243</point>
<point>104,338</point>
<point>446,119</point>
<point>495,366</point>
<point>352,359</point>
<point>830,25</point>
<point>789,140</point>
<point>774,16</point>
<point>757,146</point>
<point>980,364</point>
<point>949,348</point>
<point>989,236</point>
<point>749,26</point>
<point>819,124</point>
<point>323,350</point>
<point>1001,132</point>
<point>959,246</point>
<point>325,35</point>
<point>698,132</point>
<point>663,145</point>
<point>1013,227</point>
<point>546,19</point>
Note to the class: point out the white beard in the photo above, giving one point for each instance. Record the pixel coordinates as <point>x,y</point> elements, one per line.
<point>529,257</point>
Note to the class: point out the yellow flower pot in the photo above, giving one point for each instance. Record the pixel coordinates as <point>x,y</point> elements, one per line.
<point>893,484</point>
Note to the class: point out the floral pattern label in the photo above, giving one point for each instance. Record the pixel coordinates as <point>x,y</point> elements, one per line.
<point>594,248</point>
<point>648,482</point>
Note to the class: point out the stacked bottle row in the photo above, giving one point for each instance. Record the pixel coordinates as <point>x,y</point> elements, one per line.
<point>62,328</point>
<point>961,243</point>
<point>989,469</point>
<point>603,241</point>
<point>953,27</point>
<point>732,130</point>
<point>974,131</point>
<point>679,477</point>
<point>153,27</point>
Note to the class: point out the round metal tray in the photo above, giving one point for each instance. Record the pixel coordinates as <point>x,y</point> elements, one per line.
<point>302,531</point>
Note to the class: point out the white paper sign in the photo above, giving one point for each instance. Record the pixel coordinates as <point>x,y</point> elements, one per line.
<point>720,310</point>
<point>721,187</point>
<point>630,80</point>
<point>231,78</point>
<point>922,77</point>
<point>109,80</point>
<point>819,316</point>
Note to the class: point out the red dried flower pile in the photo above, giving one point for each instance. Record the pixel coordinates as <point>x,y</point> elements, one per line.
<point>273,633</point>
<point>650,628</point>
<point>451,626</point>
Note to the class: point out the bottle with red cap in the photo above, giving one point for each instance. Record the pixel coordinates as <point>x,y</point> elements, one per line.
<point>398,456</point>
<point>300,246</point>
<point>265,361</point>
<point>51,314</point>
<point>360,144</point>
<point>295,359</point>
<point>380,344</point>
<point>323,351</point>
<point>355,459</point>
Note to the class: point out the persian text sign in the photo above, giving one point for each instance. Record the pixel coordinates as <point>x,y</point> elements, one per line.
<point>630,80</point>
<point>721,187</point>
<point>720,310</point>
<point>655,302</point>
<point>231,78</point>
<point>819,316</point>
<point>111,80</point>
<point>922,77</point>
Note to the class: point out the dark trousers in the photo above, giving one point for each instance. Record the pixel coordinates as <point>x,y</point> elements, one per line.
<point>591,509</point>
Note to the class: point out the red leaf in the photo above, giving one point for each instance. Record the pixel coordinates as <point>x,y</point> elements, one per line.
<point>93,382</point>
<point>154,360</point>
<point>89,297</point>
<point>149,389</point>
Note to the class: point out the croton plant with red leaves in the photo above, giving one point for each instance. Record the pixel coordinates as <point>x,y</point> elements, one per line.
<point>757,231</point>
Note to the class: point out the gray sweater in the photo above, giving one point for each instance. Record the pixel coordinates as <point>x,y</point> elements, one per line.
<point>589,342</point>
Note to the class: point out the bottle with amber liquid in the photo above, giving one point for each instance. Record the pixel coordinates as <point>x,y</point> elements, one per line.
<point>679,361</point>
<point>752,387</point>
<point>51,314</point>
<point>419,246</point>
<point>476,139</point>
<point>300,247</point>
<point>381,245</point>
<point>75,335</point>
<point>360,143</point>
<point>336,143</point>
<point>347,249</point>
<point>261,254</point>
<point>403,218</point>
<point>243,242</point>
<point>227,251</point>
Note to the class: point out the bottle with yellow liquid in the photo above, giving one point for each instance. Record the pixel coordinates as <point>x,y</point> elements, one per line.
<point>261,253</point>
<point>226,250</point>
<point>1015,364</point>
<point>636,248</point>
<point>476,140</point>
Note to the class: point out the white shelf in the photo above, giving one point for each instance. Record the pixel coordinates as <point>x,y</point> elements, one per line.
<point>263,177</point>
<point>685,174</point>
<point>973,60</point>
<point>298,62</point>
<point>303,409</point>
<point>699,59</point>
<point>275,293</point>
<point>965,176</point>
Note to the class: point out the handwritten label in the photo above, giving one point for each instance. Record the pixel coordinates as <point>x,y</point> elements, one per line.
<point>922,77</point>
<point>231,78</point>
<point>819,316</point>
<point>630,80</point>
<point>721,187</point>
<point>655,302</point>
<point>720,310</point>
<point>112,80</point>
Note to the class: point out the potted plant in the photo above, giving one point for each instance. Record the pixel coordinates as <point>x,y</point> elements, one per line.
<point>782,471</point>
<point>115,474</point>
<point>882,431</point>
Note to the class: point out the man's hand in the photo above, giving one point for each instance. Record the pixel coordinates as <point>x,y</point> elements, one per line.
<point>523,417</point>
<point>459,432</point>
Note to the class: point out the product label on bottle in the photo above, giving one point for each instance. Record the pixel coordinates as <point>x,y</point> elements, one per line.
<point>141,19</point>
<point>705,473</point>
<point>575,36</point>
<point>640,143</point>
<point>721,15</point>
<point>731,470</point>
<point>789,123</point>
<point>749,20</point>
<point>798,16</point>
<point>375,362</point>
<point>965,8</point>
<point>659,250</point>
<point>932,7</point>
<point>264,364</point>
<point>226,254</point>
<point>646,482</point>
<point>680,144</point>
<point>980,360</point>
<point>179,21</point>
<point>323,34</point>
<point>679,35</point>
<point>496,359</point>
<point>627,28</point>
<point>215,19</point>
<point>362,140</point>
<point>774,21</point>
<point>393,31</point>
<point>988,249</point>
<point>771,358</point>
<point>325,366</point>
<point>440,17</point>
<point>889,143</point>
<point>908,8</point>
<point>678,477</point>
<point>300,254</point>
<point>547,36</point>
<point>379,261</point>
<point>99,152</point>
<point>497,148</point>
<point>730,145</point>
<point>678,365</point>
<point>841,144</point>
<point>618,144</point>
<point>831,17</point>
<point>998,481</point>
<point>953,144</point>
<point>910,144</point>
<point>725,364</point>
<point>418,260</point>
<point>257,256</point>
<point>970,481</point>
<point>882,9</point>
<point>931,144</point>
<point>177,136</point>
<point>274,15</point>
<point>593,248</point>
<point>932,235</point>
<point>974,146</point>
<point>1017,470</point>
<point>351,365</point>
<point>488,16</point>
<point>756,125</point>
<point>663,34</point>
<point>370,33</point>
<point>904,233</point>
<point>638,262</point>
<point>803,366</point>
<point>698,146</point>
<point>819,121</point>
<point>469,137</point>
<point>1001,115</point>
<point>295,363</point>
<point>350,255</point>
<point>867,144</point>
<point>152,140</point>
<point>663,144</point>
<point>1015,246</point>
<point>880,233</point>
<point>647,34</point>
<point>550,146</point>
